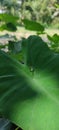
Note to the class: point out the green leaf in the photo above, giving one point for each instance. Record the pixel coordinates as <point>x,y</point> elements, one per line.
<point>57,6</point>
<point>32,25</point>
<point>18,56</point>
<point>38,52</point>
<point>31,98</point>
<point>54,42</point>
<point>54,38</point>
<point>9,22</point>
<point>8,18</point>
<point>8,27</point>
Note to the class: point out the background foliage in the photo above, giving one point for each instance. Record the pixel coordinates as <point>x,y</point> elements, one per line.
<point>39,10</point>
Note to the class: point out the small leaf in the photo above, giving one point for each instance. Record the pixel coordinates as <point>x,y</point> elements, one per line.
<point>56,5</point>
<point>8,27</point>
<point>32,25</point>
<point>11,26</point>
<point>54,38</point>
<point>54,42</point>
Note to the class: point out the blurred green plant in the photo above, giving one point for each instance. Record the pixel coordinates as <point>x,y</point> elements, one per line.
<point>54,42</point>
<point>40,11</point>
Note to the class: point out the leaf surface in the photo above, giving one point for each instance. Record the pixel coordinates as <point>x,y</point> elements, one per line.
<point>29,94</point>
<point>32,25</point>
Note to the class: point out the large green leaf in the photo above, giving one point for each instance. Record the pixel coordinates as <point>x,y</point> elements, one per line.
<point>29,96</point>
